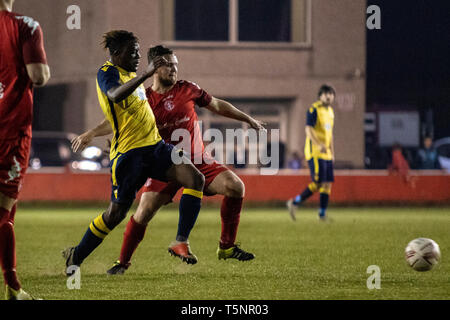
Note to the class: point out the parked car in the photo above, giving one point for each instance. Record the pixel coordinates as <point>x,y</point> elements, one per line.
<point>53,149</point>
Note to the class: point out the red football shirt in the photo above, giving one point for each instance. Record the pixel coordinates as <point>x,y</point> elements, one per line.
<point>21,43</point>
<point>176,110</point>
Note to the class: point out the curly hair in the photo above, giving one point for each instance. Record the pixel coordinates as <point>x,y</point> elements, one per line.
<point>115,40</point>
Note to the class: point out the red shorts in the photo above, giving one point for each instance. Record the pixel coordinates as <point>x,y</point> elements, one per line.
<point>14,157</point>
<point>210,171</point>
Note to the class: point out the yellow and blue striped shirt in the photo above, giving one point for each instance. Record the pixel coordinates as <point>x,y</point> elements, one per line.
<point>321,118</point>
<point>132,119</point>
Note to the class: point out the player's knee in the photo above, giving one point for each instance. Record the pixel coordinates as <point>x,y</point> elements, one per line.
<point>122,213</point>
<point>198,180</point>
<point>314,186</point>
<point>145,213</point>
<point>325,188</point>
<point>115,214</point>
<point>4,216</point>
<point>234,188</point>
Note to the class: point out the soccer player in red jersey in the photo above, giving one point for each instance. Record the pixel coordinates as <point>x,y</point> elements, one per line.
<point>173,103</point>
<point>23,64</point>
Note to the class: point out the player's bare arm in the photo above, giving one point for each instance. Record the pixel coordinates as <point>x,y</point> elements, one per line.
<point>119,93</point>
<point>226,109</point>
<point>311,133</point>
<point>6,5</point>
<point>83,140</point>
<point>39,73</point>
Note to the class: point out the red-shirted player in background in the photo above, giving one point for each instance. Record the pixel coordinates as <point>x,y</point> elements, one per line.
<point>173,104</point>
<point>23,64</point>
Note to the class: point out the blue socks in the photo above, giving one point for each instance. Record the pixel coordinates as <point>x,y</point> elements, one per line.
<point>323,204</point>
<point>324,197</point>
<point>93,237</point>
<point>303,196</point>
<point>189,209</point>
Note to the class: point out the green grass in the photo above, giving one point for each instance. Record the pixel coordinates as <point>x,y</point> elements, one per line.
<point>294,260</point>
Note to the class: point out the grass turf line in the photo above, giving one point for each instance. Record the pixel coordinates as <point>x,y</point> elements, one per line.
<point>306,259</point>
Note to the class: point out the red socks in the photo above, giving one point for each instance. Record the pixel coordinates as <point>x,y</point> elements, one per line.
<point>133,235</point>
<point>230,213</point>
<point>8,249</point>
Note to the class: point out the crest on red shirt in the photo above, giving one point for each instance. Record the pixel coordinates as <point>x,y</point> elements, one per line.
<point>15,170</point>
<point>32,24</point>
<point>168,105</point>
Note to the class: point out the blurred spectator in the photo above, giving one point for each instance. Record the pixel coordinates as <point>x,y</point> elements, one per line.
<point>399,165</point>
<point>295,162</point>
<point>427,157</point>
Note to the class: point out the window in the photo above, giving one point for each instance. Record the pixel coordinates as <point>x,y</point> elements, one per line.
<point>267,20</point>
<point>201,20</point>
<point>273,112</point>
<point>236,22</point>
<point>48,111</point>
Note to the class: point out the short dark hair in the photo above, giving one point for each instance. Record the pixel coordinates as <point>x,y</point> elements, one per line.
<point>115,40</point>
<point>158,51</point>
<point>325,88</point>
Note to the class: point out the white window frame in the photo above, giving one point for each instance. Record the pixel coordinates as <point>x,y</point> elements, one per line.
<point>207,118</point>
<point>233,33</point>
<point>282,118</point>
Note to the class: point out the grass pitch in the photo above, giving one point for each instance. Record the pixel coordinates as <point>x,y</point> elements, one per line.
<point>305,259</point>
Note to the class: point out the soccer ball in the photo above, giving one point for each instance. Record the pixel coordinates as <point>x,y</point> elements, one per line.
<point>422,254</point>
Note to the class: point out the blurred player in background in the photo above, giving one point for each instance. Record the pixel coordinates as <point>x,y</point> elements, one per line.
<point>23,64</point>
<point>173,102</point>
<point>319,151</point>
<point>137,150</point>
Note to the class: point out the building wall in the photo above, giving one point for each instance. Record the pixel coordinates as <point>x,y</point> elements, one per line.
<point>337,50</point>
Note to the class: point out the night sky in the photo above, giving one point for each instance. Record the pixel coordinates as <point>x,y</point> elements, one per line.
<point>408,60</point>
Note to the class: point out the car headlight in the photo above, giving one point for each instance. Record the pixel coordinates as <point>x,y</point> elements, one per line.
<point>86,165</point>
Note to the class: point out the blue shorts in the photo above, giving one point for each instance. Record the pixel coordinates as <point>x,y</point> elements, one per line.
<point>131,169</point>
<point>321,170</point>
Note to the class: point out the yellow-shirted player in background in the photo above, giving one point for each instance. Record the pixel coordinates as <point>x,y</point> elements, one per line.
<point>319,151</point>
<point>137,150</point>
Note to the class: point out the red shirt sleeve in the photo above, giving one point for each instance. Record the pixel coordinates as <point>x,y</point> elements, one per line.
<point>33,45</point>
<point>201,97</point>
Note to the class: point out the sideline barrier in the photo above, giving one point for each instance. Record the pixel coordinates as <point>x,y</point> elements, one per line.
<point>350,187</point>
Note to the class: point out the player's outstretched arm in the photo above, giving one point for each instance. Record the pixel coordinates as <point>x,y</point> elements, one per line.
<point>119,93</point>
<point>83,140</point>
<point>226,109</point>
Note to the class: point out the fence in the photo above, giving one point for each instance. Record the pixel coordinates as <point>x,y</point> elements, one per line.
<point>350,187</point>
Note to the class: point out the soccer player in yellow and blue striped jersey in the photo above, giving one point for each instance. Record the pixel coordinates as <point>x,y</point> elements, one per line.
<point>319,151</point>
<point>137,150</point>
